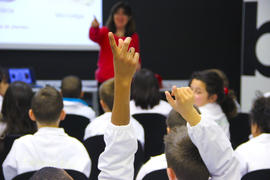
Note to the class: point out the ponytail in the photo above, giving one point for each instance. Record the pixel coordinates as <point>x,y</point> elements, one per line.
<point>228,104</point>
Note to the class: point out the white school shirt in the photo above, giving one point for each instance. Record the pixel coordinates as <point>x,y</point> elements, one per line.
<point>98,127</point>
<point>153,164</point>
<point>47,147</point>
<point>254,153</point>
<point>78,108</point>
<point>116,162</point>
<point>213,112</point>
<point>163,108</point>
<point>215,150</point>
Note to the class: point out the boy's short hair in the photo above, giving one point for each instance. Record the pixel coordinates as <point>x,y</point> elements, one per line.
<point>47,105</point>
<point>71,87</point>
<point>183,156</point>
<point>48,173</point>
<point>106,92</point>
<point>260,114</point>
<point>175,119</point>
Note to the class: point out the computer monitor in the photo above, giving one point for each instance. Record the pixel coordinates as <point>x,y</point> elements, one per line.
<point>21,74</point>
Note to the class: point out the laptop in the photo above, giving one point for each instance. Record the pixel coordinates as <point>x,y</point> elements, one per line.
<point>22,74</point>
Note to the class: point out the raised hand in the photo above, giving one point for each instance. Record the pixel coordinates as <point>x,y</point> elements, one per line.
<point>125,60</point>
<point>95,23</point>
<point>183,103</point>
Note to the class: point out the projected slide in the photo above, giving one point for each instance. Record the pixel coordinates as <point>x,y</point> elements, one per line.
<point>48,24</point>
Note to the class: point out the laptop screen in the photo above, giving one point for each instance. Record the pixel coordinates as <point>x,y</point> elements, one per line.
<point>21,74</point>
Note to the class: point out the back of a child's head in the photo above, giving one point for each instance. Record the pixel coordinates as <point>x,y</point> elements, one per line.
<point>47,105</point>
<point>50,173</point>
<point>71,87</point>
<point>183,156</point>
<point>175,119</point>
<point>106,92</point>
<point>145,89</point>
<point>260,114</point>
<point>215,86</point>
<point>15,108</point>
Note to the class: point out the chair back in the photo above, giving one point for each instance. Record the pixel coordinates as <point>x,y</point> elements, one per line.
<point>262,174</point>
<point>154,125</point>
<point>95,146</point>
<point>158,174</point>
<point>75,125</point>
<point>239,129</point>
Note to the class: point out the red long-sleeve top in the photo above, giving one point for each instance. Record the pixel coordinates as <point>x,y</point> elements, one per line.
<point>105,62</point>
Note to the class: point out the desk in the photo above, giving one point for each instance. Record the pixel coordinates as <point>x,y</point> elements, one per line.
<point>90,86</point>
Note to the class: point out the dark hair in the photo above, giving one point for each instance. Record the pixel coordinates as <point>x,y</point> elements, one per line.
<point>71,87</point>
<point>48,173</point>
<point>215,85</point>
<point>145,89</point>
<point>106,92</point>
<point>175,119</point>
<point>4,75</point>
<point>47,105</point>
<point>183,156</point>
<point>130,27</point>
<point>15,109</point>
<point>260,114</point>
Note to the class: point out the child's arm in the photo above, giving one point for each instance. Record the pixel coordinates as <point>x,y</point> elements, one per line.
<point>213,145</point>
<point>116,162</point>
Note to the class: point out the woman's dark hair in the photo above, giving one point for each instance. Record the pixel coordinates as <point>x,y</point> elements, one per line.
<point>130,27</point>
<point>215,85</point>
<point>15,108</point>
<point>260,114</point>
<point>145,89</point>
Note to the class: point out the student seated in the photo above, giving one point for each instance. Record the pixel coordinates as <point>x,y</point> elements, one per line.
<point>254,154</point>
<point>214,147</point>
<point>183,158</point>
<point>50,145</point>
<point>98,125</point>
<point>4,79</point>
<point>214,103</point>
<point>145,94</point>
<point>159,162</point>
<point>16,104</point>
<point>51,173</point>
<point>71,90</point>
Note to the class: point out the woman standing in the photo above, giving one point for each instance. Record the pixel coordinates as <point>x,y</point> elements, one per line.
<point>122,24</point>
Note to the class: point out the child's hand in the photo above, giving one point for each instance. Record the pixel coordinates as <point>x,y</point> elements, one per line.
<point>125,60</point>
<point>183,103</point>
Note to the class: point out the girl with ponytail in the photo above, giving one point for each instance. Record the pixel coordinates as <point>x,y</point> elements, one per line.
<point>214,100</point>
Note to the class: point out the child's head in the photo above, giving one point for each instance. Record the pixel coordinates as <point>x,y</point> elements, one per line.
<point>71,87</point>
<point>175,119</point>
<point>47,107</point>
<point>145,89</point>
<point>106,94</point>
<point>16,104</point>
<point>222,75</point>
<point>51,173</point>
<point>260,116</point>
<point>208,87</point>
<point>183,158</point>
